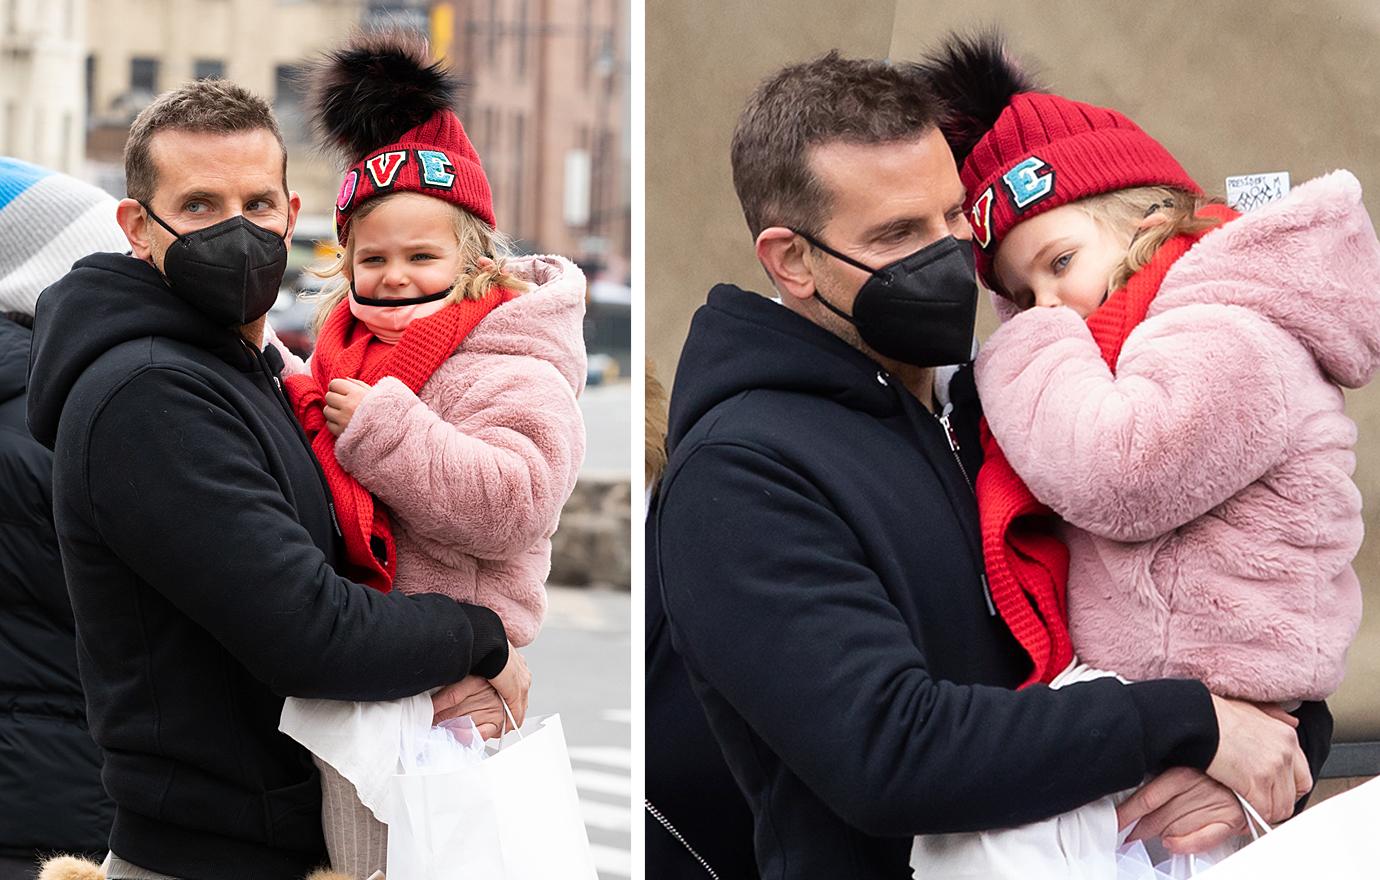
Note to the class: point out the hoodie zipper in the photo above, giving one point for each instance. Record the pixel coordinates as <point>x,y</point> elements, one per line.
<point>952,437</point>
<point>286,404</point>
<point>884,378</point>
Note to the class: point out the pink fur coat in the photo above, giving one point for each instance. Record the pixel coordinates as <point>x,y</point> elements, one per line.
<point>475,470</point>
<point>1206,486</point>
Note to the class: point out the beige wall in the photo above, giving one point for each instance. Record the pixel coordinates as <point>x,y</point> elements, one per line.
<point>1231,87</point>
<point>703,60</point>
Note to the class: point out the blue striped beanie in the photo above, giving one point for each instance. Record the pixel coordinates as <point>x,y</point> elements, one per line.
<point>48,221</point>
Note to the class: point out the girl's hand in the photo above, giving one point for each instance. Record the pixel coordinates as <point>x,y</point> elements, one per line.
<point>342,399</point>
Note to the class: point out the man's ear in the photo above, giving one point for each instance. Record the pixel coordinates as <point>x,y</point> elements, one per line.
<point>782,254</point>
<point>294,208</point>
<point>134,220</point>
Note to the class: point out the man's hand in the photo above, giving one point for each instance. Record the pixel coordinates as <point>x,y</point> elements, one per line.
<point>1191,812</point>
<point>1258,757</point>
<point>513,683</point>
<point>472,696</point>
<point>343,397</point>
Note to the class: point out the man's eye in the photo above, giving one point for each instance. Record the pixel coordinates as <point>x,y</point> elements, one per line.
<point>260,205</point>
<point>194,207</point>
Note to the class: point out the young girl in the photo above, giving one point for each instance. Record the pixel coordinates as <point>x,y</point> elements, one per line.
<point>441,395</point>
<point>1166,384</point>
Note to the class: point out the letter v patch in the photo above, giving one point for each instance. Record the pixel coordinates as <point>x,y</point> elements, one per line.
<point>384,167</point>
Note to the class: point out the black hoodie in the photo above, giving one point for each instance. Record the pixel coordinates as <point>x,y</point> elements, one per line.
<point>816,543</point>
<point>198,541</point>
<point>50,770</point>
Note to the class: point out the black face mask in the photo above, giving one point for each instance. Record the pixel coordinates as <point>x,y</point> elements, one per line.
<point>918,310</point>
<point>230,272</point>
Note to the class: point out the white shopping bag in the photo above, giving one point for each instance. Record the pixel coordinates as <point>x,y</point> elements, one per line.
<point>1331,840</point>
<point>515,815</point>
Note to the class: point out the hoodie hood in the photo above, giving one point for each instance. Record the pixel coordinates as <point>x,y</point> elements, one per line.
<point>1309,262</point>
<point>546,322</point>
<point>740,341</point>
<point>106,300</point>
<point>14,359</point>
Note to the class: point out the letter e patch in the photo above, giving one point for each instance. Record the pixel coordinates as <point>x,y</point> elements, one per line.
<point>436,169</point>
<point>1026,186</point>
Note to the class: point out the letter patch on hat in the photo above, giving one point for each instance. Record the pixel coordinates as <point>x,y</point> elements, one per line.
<point>980,216</point>
<point>347,189</point>
<point>436,169</point>
<point>1027,187</point>
<point>385,166</point>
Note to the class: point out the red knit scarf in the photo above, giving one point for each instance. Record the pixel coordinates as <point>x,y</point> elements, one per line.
<point>1027,564</point>
<point>342,351</point>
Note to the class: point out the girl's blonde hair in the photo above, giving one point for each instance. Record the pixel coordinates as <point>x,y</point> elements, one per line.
<point>477,240</point>
<point>654,427</point>
<point>1125,208</point>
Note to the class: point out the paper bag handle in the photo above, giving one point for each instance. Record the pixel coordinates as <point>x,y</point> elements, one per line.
<point>1253,819</point>
<point>508,715</point>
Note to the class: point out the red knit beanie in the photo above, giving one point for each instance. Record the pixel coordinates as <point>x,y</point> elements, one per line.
<point>435,159</point>
<point>1023,151</point>
<point>385,103</point>
<point>1046,151</point>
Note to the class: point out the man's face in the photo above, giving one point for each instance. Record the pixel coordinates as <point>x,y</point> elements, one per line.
<point>889,201</point>
<point>204,178</point>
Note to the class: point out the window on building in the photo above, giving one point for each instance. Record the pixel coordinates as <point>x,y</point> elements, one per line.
<point>586,59</point>
<point>519,171</point>
<point>522,40</point>
<point>143,75</point>
<point>208,68</point>
<point>90,85</point>
<point>288,96</point>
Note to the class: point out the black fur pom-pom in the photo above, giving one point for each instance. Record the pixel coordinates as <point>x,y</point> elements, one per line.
<point>976,78</point>
<point>376,87</point>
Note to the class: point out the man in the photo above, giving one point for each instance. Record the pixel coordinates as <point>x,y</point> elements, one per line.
<point>816,532</point>
<point>196,531</point>
<point>50,770</point>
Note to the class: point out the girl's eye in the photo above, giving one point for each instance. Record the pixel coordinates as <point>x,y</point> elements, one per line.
<point>1061,262</point>
<point>372,260</point>
<point>423,257</point>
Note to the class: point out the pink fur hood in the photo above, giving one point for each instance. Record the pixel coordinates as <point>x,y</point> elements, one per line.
<point>1212,519</point>
<point>475,469</point>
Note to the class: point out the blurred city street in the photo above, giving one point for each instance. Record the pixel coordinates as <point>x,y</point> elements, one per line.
<point>580,669</point>
<point>608,422</point>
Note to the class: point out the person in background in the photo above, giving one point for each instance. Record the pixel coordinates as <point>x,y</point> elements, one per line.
<point>50,769</point>
<point>697,821</point>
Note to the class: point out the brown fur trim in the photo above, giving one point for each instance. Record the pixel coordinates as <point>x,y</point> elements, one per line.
<point>70,868</point>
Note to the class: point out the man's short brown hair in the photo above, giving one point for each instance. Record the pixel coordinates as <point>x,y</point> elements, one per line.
<point>206,105</point>
<point>828,99</point>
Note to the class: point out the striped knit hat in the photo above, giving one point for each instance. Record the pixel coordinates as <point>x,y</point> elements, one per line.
<point>48,221</point>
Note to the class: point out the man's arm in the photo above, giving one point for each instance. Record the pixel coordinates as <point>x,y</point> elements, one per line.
<point>180,491</point>
<point>774,606</point>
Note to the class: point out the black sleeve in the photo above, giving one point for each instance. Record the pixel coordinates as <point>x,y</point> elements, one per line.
<point>179,490</point>
<point>773,605</point>
<point>1315,738</point>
